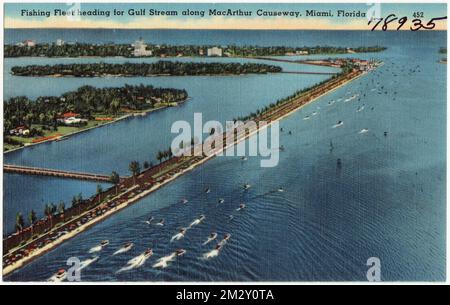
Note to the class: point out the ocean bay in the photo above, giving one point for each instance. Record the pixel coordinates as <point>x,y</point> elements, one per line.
<point>316,216</point>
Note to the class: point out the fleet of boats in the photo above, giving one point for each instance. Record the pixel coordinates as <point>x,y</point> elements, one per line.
<point>165,261</point>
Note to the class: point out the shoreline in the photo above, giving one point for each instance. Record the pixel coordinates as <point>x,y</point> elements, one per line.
<point>129,115</point>
<point>148,75</point>
<point>67,135</point>
<point>188,56</point>
<point>38,252</point>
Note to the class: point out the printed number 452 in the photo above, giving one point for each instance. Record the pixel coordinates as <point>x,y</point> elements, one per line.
<point>418,15</point>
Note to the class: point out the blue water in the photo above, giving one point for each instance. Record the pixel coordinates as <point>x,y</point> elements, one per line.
<point>24,193</point>
<point>387,201</point>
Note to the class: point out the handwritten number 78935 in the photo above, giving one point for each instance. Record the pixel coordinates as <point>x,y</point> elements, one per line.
<point>416,23</point>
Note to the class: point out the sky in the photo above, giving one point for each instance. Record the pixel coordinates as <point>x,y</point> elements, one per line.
<point>15,16</point>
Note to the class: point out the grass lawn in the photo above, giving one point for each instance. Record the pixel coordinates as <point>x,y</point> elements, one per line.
<point>63,130</point>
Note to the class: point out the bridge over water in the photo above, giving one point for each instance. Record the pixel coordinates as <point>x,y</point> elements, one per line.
<point>27,170</point>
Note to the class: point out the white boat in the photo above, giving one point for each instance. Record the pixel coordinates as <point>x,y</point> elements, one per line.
<point>59,276</point>
<point>364,130</point>
<point>148,253</point>
<point>338,124</point>
<point>180,252</point>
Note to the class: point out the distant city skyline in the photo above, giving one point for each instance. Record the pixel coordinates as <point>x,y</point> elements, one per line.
<point>34,15</point>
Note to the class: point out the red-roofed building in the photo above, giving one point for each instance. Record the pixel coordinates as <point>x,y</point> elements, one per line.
<point>69,115</point>
<point>70,118</point>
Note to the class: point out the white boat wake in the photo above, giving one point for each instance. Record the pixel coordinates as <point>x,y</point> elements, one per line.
<point>60,276</point>
<point>178,236</point>
<point>124,249</point>
<point>95,249</point>
<point>215,252</point>
<point>137,261</point>
<point>339,124</point>
<point>363,131</point>
<point>87,262</point>
<point>211,254</point>
<point>163,262</point>
<point>212,237</point>
<point>99,247</point>
<point>197,221</point>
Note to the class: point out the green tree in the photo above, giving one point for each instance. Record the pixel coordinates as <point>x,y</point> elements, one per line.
<point>49,210</point>
<point>61,210</point>
<point>135,169</point>
<point>114,178</point>
<point>32,218</point>
<point>114,106</point>
<point>99,192</point>
<point>19,222</point>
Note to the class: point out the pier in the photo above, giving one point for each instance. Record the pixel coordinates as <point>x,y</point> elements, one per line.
<point>26,170</point>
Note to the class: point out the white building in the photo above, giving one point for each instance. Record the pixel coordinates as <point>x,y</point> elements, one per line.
<point>73,120</point>
<point>29,43</point>
<point>59,42</point>
<point>215,51</point>
<point>140,49</point>
<point>19,131</point>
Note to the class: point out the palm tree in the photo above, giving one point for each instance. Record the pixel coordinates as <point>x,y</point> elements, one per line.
<point>32,219</point>
<point>62,209</point>
<point>19,225</point>
<point>159,156</point>
<point>135,169</point>
<point>74,201</point>
<point>115,179</point>
<point>99,192</point>
<point>77,201</point>
<point>54,208</point>
<point>19,222</point>
<point>48,211</point>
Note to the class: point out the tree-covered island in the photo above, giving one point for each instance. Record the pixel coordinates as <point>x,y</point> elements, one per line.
<point>141,49</point>
<point>160,68</point>
<point>51,117</point>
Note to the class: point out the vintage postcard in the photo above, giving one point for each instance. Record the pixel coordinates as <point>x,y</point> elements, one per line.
<point>224,142</point>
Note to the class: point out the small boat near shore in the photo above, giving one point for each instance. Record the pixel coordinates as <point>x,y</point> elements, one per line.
<point>59,276</point>
<point>99,247</point>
